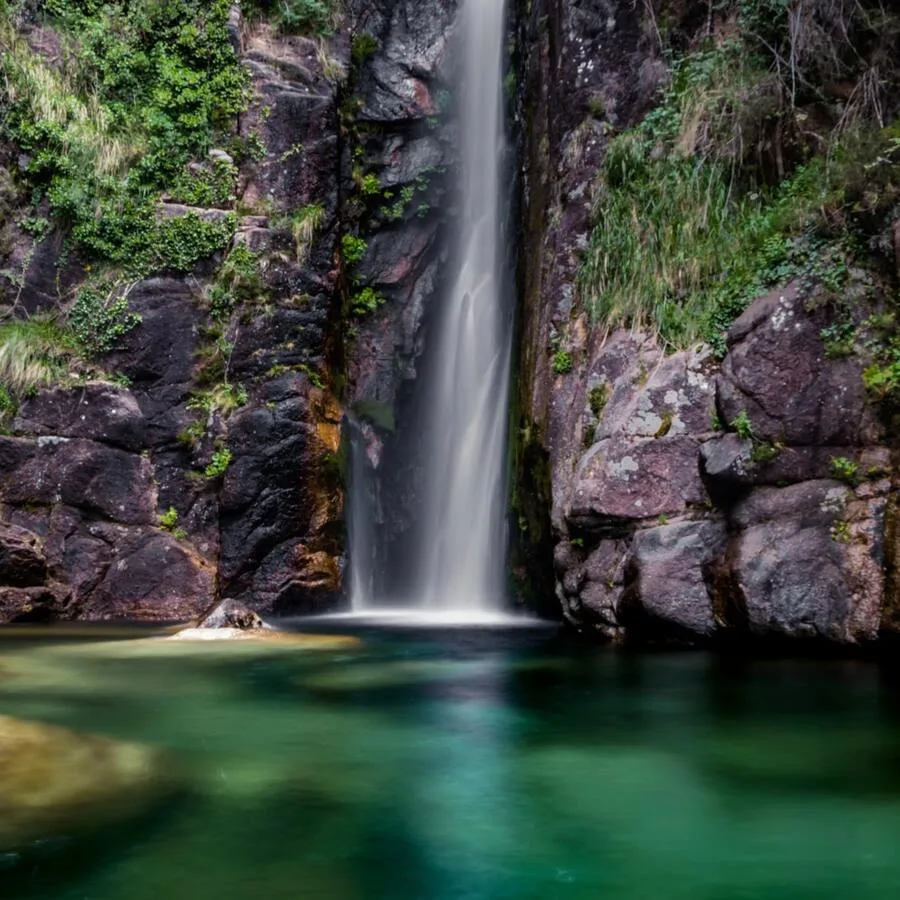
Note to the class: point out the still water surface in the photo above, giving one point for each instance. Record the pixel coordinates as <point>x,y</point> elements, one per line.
<point>491,764</point>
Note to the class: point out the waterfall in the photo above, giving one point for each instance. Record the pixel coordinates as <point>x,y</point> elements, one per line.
<point>460,558</point>
<point>463,556</point>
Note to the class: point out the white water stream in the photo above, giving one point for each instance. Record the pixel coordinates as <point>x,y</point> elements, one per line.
<point>461,558</point>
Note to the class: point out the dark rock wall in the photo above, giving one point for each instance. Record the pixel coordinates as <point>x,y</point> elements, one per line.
<point>664,523</point>
<point>87,471</point>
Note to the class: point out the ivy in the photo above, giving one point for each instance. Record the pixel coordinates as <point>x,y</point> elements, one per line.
<point>100,317</point>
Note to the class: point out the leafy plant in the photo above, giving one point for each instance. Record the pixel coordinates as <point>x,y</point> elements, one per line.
<point>741,424</point>
<point>100,317</point>
<point>846,470</point>
<point>362,46</point>
<point>169,519</point>
<point>218,466</point>
<point>598,397</point>
<point>562,362</point>
<point>365,301</point>
<point>238,280</point>
<point>353,248</point>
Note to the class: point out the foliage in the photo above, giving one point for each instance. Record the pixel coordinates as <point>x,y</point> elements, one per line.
<point>362,46</point>
<point>169,519</point>
<point>100,317</point>
<point>353,249</point>
<point>33,353</point>
<point>142,88</point>
<point>305,224</point>
<point>312,17</point>
<point>598,397</point>
<point>562,362</point>
<point>218,466</point>
<point>223,399</point>
<point>721,192</point>
<point>369,185</point>
<point>742,426</point>
<point>238,280</point>
<point>844,469</point>
<point>210,185</point>
<point>365,301</point>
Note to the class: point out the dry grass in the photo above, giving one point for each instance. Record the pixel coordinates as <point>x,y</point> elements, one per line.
<point>52,96</point>
<point>33,354</point>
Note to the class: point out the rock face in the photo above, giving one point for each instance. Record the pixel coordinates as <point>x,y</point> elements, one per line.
<point>55,783</point>
<point>669,529</point>
<point>665,523</point>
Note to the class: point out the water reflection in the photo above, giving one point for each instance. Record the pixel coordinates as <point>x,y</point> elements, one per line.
<point>483,764</point>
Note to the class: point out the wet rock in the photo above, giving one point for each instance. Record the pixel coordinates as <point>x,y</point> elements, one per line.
<point>22,560</point>
<point>231,614</point>
<point>47,603</point>
<point>56,783</point>
<point>97,410</point>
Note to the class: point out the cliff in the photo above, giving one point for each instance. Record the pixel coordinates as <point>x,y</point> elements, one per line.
<point>224,230</point>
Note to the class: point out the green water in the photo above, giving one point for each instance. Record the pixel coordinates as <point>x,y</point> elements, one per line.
<point>491,764</point>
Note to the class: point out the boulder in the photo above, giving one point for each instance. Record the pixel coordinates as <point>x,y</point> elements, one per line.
<point>669,593</point>
<point>621,479</point>
<point>97,410</point>
<point>231,614</point>
<point>807,562</point>
<point>152,577</point>
<point>22,561</point>
<point>56,783</point>
<point>85,474</point>
<point>777,372</point>
<point>47,603</point>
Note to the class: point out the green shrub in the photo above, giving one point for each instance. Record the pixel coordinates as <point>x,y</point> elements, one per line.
<point>741,424</point>
<point>238,280</point>
<point>312,17</point>
<point>598,397</point>
<point>353,248</point>
<point>562,362</point>
<point>362,46</point>
<point>366,301</point>
<point>100,317</point>
<point>145,88</point>
<point>169,519</point>
<point>846,470</point>
<point>218,466</point>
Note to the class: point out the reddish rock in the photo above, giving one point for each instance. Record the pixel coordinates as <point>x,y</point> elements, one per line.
<point>22,560</point>
<point>152,577</point>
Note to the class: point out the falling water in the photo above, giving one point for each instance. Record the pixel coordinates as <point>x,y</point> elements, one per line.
<point>462,558</point>
<point>457,568</point>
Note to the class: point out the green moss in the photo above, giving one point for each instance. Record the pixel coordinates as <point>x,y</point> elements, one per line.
<point>376,412</point>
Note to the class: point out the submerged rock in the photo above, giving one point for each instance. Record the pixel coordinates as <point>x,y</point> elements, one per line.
<point>56,783</point>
